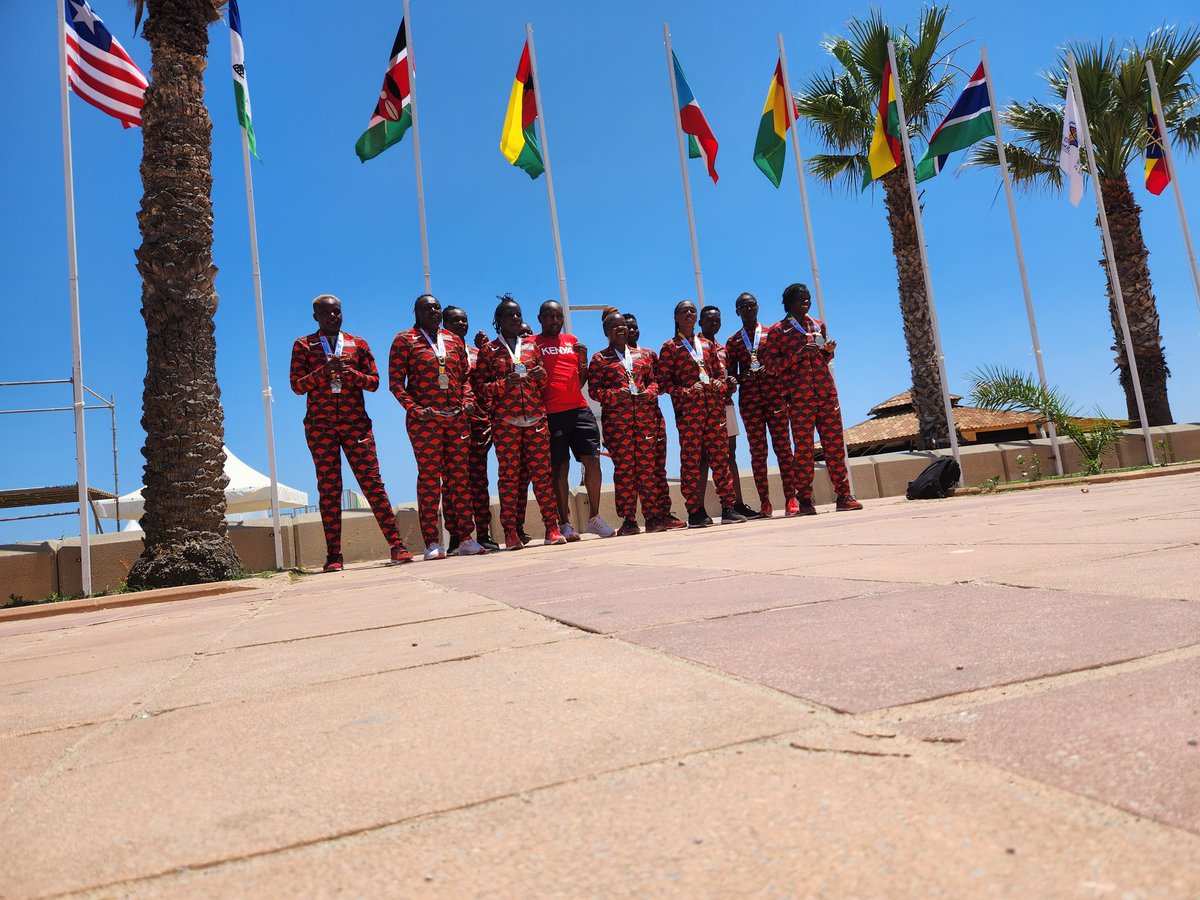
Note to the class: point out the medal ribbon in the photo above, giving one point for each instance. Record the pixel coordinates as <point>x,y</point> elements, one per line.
<point>753,348</point>
<point>697,352</point>
<point>515,354</point>
<point>439,351</point>
<point>337,347</point>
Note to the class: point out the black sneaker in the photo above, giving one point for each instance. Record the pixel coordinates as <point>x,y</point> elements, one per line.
<point>707,519</point>
<point>746,512</point>
<point>486,542</point>
<point>698,520</point>
<point>730,516</point>
<point>525,538</point>
<point>452,547</point>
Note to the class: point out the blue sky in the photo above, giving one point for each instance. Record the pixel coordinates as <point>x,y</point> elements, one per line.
<point>330,224</point>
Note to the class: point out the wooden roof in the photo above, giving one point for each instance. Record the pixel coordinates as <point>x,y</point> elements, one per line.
<point>46,496</point>
<point>903,401</point>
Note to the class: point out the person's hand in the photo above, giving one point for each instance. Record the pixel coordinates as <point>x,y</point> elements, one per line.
<point>334,366</point>
<point>422,413</point>
<point>469,408</point>
<point>581,350</point>
<point>831,346</point>
<point>512,378</point>
<point>481,339</point>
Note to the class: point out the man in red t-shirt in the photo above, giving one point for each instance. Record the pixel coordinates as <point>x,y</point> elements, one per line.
<point>572,423</point>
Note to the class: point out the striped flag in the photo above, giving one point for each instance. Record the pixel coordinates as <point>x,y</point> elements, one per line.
<point>241,90</point>
<point>770,147</point>
<point>518,141</point>
<point>98,68</point>
<point>701,143</point>
<point>393,112</point>
<point>885,152</point>
<point>969,120</point>
<point>1157,174</point>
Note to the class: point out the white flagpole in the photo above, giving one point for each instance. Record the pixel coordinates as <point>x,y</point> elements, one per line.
<point>1160,114</point>
<point>1118,296</point>
<point>85,550</point>
<point>687,186</point>
<point>412,99</point>
<point>916,205</point>
<point>541,118</point>
<point>1016,230</point>
<point>808,229</point>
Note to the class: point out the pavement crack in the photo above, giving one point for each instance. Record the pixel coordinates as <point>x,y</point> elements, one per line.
<point>842,751</point>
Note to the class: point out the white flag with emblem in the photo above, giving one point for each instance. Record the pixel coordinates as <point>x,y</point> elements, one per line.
<point>1068,156</point>
<point>241,90</point>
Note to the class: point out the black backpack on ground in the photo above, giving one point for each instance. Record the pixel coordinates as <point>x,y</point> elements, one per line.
<point>936,481</point>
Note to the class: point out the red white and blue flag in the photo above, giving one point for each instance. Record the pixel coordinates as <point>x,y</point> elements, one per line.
<point>701,143</point>
<point>98,68</point>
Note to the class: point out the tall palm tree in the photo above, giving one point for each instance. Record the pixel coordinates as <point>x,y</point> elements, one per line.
<point>840,104</point>
<point>1115,93</point>
<point>186,541</point>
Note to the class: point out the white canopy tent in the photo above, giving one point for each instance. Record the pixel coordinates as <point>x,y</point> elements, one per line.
<point>249,490</point>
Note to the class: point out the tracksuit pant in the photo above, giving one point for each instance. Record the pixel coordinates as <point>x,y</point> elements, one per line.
<point>702,429</point>
<point>441,446</point>
<point>763,413</point>
<point>477,478</point>
<point>815,406</point>
<point>639,467</point>
<point>523,455</point>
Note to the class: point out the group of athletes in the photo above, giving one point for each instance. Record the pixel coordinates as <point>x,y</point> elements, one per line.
<point>522,394</point>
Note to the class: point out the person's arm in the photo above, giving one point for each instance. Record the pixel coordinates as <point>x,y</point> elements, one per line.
<point>830,346</point>
<point>364,375</point>
<point>464,374</point>
<point>302,379</point>
<point>652,391</point>
<point>398,373</point>
<point>602,388</point>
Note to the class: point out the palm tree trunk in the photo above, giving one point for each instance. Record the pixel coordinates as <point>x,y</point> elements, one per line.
<point>1133,268</point>
<point>186,541</point>
<point>914,308</point>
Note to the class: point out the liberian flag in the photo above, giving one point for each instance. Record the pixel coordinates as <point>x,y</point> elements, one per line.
<point>518,141</point>
<point>770,148</point>
<point>969,120</point>
<point>1157,174</point>
<point>98,68</point>
<point>241,90</point>
<point>885,152</point>
<point>393,112</point>
<point>701,143</point>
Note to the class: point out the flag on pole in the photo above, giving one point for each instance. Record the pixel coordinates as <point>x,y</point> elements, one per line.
<point>393,112</point>
<point>1068,156</point>
<point>1157,174</point>
<point>241,90</point>
<point>770,147</point>
<point>969,120</point>
<point>885,152</point>
<point>701,143</point>
<point>98,68</point>
<point>518,141</point>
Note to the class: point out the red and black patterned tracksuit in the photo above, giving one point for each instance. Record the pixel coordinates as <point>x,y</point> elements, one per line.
<point>441,443</point>
<point>762,412</point>
<point>519,431</point>
<point>336,424</point>
<point>811,400</point>
<point>634,432</point>
<point>699,417</point>
<point>477,457</point>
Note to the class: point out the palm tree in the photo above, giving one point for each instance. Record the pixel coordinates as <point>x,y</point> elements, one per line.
<point>1115,96</point>
<point>186,541</point>
<point>841,105</point>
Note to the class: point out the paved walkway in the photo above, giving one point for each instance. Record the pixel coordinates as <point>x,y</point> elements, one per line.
<point>991,695</point>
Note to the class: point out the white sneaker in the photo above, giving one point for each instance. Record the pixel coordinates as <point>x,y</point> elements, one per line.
<point>435,551</point>
<point>567,530</point>
<point>597,525</point>
<point>471,547</point>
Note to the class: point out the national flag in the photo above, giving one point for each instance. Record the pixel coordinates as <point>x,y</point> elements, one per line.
<point>770,147</point>
<point>1068,155</point>
<point>701,143</point>
<point>885,152</point>
<point>518,141</point>
<point>98,68</point>
<point>393,112</point>
<point>969,120</point>
<point>241,90</point>
<point>1157,174</point>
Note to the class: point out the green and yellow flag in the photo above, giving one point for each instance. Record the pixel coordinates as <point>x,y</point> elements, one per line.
<point>518,141</point>
<point>885,153</point>
<point>770,148</point>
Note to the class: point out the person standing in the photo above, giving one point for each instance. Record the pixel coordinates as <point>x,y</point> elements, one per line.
<point>690,370</point>
<point>428,373</point>
<point>512,377</point>
<point>799,352</point>
<point>334,368</point>
<point>572,423</point>
<point>710,327</point>
<point>761,406</point>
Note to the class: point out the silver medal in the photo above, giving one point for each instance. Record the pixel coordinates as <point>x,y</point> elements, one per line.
<point>444,382</point>
<point>335,385</point>
<point>819,339</point>
<point>755,365</point>
<point>520,369</point>
<point>704,379</point>
<point>633,388</point>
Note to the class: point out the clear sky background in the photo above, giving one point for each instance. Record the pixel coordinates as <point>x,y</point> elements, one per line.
<point>330,224</point>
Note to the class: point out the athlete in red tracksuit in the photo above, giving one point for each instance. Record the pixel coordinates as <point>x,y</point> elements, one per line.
<point>428,372</point>
<point>334,368</point>
<point>690,370</point>
<point>512,378</point>
<point>622,379</point>
<point>760,404</point>
<point>799,352</point>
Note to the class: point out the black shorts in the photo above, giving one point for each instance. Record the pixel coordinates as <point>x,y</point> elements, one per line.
<point>574,430</point>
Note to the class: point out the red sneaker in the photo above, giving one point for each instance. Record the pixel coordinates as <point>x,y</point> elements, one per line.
<point>847,503</point>
<point>654,526</point>
<point>766,510</point>
<point>629,527</point>
<point>806,508</point>
<point>511,540</point>
<point>400,555</point>
<point>333,564</point>
<point>554,536</point>
<point>671,523</point>
<point>792,508</point>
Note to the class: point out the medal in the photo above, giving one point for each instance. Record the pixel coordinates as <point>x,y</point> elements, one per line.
<point>697,353</point>
<point>335,383</point>
<point>521,370</point>
<point>519,367</point>
<point>704,379</point>
<point>439,352</point>
<point>819,339</point>
<point>755,365</point>
<point>627,361</point>
<point>444,382</point>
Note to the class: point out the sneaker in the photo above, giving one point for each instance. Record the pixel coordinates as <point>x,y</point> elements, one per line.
<point>597,525</point>
<point>766,511</point>
<point>654,526</point>
<point>333,564</point>
<point>471,547</point>
<point>524,536</point>
<point>792,509</point>
<point>730,516</point>
<point>806,508</point>
<point>707,520</point>
<point>486,542</point>
<point>630,527</point>
<point>670,523</point>
<point>452,547</point>
<point>698,520</point>
<point>554,536</point>
<point>434,551</point>
<point>400,555</point>
<point>744,510</point>
<point>847,503</point>
<point>512,540</point>
<point>567,530</point>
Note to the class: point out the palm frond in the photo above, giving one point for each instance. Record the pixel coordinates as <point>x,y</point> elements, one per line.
<point>1185,135</point>
<point>842,170</point>
<point>997,387</point>
<point>1027,169</point>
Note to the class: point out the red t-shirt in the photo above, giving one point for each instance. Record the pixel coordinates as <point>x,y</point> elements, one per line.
<point>563,390</point>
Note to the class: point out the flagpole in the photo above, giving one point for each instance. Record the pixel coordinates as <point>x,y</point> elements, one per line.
<point>940,357</point>
<point>1016,230</point>
<point>1114,278</point>
<point>541,119</point>
<point>687,186</point>
<point>1161,115</point>
<point>85,550</point>
<point>412,99</point>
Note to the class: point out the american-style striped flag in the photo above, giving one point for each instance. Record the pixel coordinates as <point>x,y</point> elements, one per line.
<point>98,68</point>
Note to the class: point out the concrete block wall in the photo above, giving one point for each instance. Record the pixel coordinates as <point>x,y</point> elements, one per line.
<point>30,571</point>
